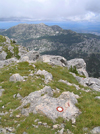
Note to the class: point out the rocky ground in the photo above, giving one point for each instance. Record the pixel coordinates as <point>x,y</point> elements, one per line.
<point>46,94</point>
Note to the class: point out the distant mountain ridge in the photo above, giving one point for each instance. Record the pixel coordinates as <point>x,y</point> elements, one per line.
<point>57,41</point>
<point>29,31</point>
<point>1,30</point>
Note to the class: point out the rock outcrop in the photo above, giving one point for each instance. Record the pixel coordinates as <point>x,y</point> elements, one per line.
<point>33,55</point>
<point>3,55</point>
<point>0,48</point>
<point>24,58</point>
<point>95,130</point>
<point>54,60</point>
<point>93,83</point>
<point>22,51</point>
<point>16,77</point>
<point>48,76</point>
<point>1,91</point>
<point>79,64</point>
<point>43,102</point>
<point>8,41</point>
<point>28,56</point>
<point>7,62</point>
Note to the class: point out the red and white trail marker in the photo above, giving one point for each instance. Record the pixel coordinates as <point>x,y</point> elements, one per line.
<point>60,109</point>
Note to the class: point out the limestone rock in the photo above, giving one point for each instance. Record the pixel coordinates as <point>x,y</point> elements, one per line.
<point>24,58</point>
<point>69,84</point>
<point>47,90</point>
<point>19,96</point>
<point>0,48</point>
<point>22,51</point>
<point>39,123</point>
<point>61,131</point>
<point>25,133</point>
<point>69,96</point>
<point>2,130</point>
<point>10,129</point>
<point>69,132</point>
<point>7,40</point>
<point>10,48</point>
<point>95,130</point>
<point>47,75</point>
<point>7,62</point>
<point>36,120</point>
<point>54,60</point>
<point>65,81</point>
<point>33,55</point>
<point>1,64</point>
<point>79,64</point>
<point>16,77</point>
<point>44,124</point>
<point>97,97</point>
<point>35,126</point>
<point>3,55</point>
<point>42,102</point>
<point>56,126</point>
<point>93,83</point>
<point>56,90</point>
<point>1,90</point>
<point>2,113</point>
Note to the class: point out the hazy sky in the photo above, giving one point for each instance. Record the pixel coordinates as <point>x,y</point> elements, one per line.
<point>52,10</point>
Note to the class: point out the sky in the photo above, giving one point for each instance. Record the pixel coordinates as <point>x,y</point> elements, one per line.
<point>50,10</point>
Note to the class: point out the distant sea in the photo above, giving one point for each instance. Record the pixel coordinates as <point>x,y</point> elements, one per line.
<point>82,27</point>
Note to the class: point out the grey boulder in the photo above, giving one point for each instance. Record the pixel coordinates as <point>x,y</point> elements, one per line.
<point>1,63</point>
<point>79,64</point>
<point>54,60</point>
<point>10,48</point>
<point>3,55</point>
<point>22,51</point>
<point>33,55</point>
<point>24,58</point>
<point>7,62</point>
<point>97,97</point>
<point>0,48</point>
<point>48,76</point>
<point>16,77</point>
<point>93,83</point>
<point>1,91</point>
<point>95,130</point>
<point>7,40</point>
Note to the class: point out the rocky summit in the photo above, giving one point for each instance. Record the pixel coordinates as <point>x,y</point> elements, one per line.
<point>46,94</point>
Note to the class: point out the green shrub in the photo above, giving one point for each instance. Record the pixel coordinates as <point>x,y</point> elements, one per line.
<point>16,51</point>
<point>13,41</point>
<point>73,70</point>
<point>9,55</point>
